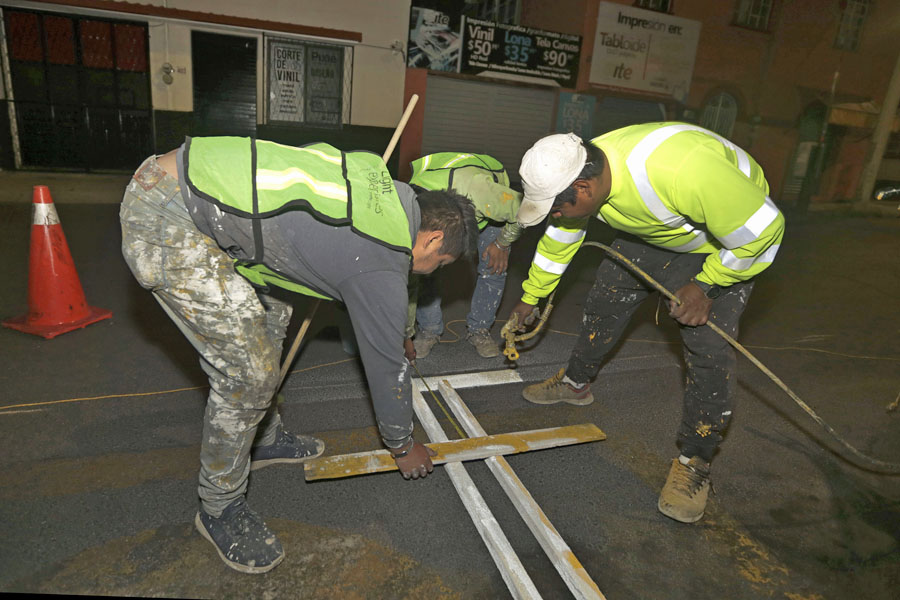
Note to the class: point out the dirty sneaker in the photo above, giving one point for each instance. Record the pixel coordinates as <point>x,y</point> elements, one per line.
<point>288,448</point>
<point>684,495</point>
<point>241,538</point>
<point>484,343</point>
<point>424,342</point>
<point>555,390</point>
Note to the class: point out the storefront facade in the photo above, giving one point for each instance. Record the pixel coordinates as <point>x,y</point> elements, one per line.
<point>96,85</point>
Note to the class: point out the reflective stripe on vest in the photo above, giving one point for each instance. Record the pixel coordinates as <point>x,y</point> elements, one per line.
<point>435,171</point>
<point>637,166</point>
<point>257,179</point>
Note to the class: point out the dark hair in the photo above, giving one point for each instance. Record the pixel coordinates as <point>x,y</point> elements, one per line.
<point>593,167</point>
<point>452,213</point>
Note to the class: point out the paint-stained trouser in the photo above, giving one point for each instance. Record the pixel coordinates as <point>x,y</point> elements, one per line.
<point>709,359</point>
<point>485,299</point>
<point>238,334</point>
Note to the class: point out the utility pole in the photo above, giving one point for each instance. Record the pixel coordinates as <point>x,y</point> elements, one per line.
<point>880,136</point>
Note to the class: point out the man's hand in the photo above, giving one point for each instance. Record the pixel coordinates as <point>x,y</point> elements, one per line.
<point>524,313</point>
<point>498,258</point>
<point>414,460</point>
<point>694,307</point>
<point>409,349</point>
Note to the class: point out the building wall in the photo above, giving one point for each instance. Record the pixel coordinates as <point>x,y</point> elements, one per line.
<point>378,70</point>
<point>774,75</point>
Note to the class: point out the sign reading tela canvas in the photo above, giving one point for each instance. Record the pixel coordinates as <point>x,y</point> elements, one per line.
<point>644,51</point>
<point>498,47</point>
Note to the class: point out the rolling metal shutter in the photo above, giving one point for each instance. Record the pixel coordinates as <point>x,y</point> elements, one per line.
<point>224,73</point>
<point>489,118</point>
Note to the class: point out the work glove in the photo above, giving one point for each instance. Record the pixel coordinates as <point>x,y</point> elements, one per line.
<point>413,459</point>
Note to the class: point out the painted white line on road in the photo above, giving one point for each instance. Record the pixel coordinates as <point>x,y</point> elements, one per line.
<point>468,380</point>
<point>511,569</point>
<point>14,412</point>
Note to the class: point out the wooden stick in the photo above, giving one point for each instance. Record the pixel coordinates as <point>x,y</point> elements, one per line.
<point>567,564</point>
<point>400,127</point>
<point>302,332</point>
<point>296,345</point>
<point>473,448</point>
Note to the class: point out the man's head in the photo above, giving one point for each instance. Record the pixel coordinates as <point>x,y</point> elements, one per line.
<point>448,230</point>
<point>561,175</point>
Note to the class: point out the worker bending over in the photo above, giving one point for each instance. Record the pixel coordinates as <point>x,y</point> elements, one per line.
<point>209,225</point>
<point>483,180</point>
<point>694,213</point>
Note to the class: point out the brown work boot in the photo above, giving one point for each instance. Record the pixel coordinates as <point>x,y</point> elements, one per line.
<point>555,390</point>
<point>684,495</point>
<point>424,342</point>
<point>484,343</point>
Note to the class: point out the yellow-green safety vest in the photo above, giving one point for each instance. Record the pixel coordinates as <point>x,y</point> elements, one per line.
<point>256,179</point>
<point>436,171</point>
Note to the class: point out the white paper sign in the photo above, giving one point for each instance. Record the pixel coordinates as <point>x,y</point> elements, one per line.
<point>644,50</point>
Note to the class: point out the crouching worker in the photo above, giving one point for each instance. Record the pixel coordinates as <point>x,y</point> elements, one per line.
<point>209,225</point>
<point>694,213</point>
<point>485,182</point>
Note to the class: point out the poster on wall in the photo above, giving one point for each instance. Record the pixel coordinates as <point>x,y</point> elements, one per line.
<point>286,80</point>
<point>306,82</point>
<point>325,84</point>
<point>575,114</point>
<point>501,48</point>
<point>434,37</point>
<point>645,51</point>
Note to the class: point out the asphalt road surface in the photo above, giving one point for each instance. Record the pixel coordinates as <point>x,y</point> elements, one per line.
<point>100,429</point>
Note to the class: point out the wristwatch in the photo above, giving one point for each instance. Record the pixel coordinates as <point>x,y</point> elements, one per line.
<point>710,290</point>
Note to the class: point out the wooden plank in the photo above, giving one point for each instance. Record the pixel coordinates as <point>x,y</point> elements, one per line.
<point>555,547</point>
<point>511,568</point>
<point>475,448</point>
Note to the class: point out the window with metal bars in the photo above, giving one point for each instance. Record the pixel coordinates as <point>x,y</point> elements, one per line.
<point>499,11</point>
<point>664,6</point>
<point>719,114</point>
<point>753,14</point>
<point>853,15</point>
<point>80,93</point>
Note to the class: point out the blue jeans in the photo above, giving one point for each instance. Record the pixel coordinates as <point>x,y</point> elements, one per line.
<point>485,298</point>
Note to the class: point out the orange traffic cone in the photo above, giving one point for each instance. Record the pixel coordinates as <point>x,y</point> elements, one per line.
<point>56,303</point>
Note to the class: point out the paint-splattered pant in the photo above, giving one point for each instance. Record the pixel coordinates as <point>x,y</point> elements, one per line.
<point>238,333</point>
<point>709,359</point>
<point>485,299</point>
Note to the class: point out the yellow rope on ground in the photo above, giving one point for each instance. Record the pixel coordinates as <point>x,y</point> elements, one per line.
<point>138,394</point>
<point>458,338</point>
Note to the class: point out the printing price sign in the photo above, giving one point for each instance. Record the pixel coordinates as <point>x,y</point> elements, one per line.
<point>498,47</point>
<point>643,50</point>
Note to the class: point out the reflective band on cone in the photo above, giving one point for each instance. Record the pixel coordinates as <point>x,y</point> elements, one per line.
<point>56,302</point>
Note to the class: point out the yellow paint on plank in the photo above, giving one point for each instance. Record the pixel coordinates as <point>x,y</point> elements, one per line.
<point>476,448</point>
